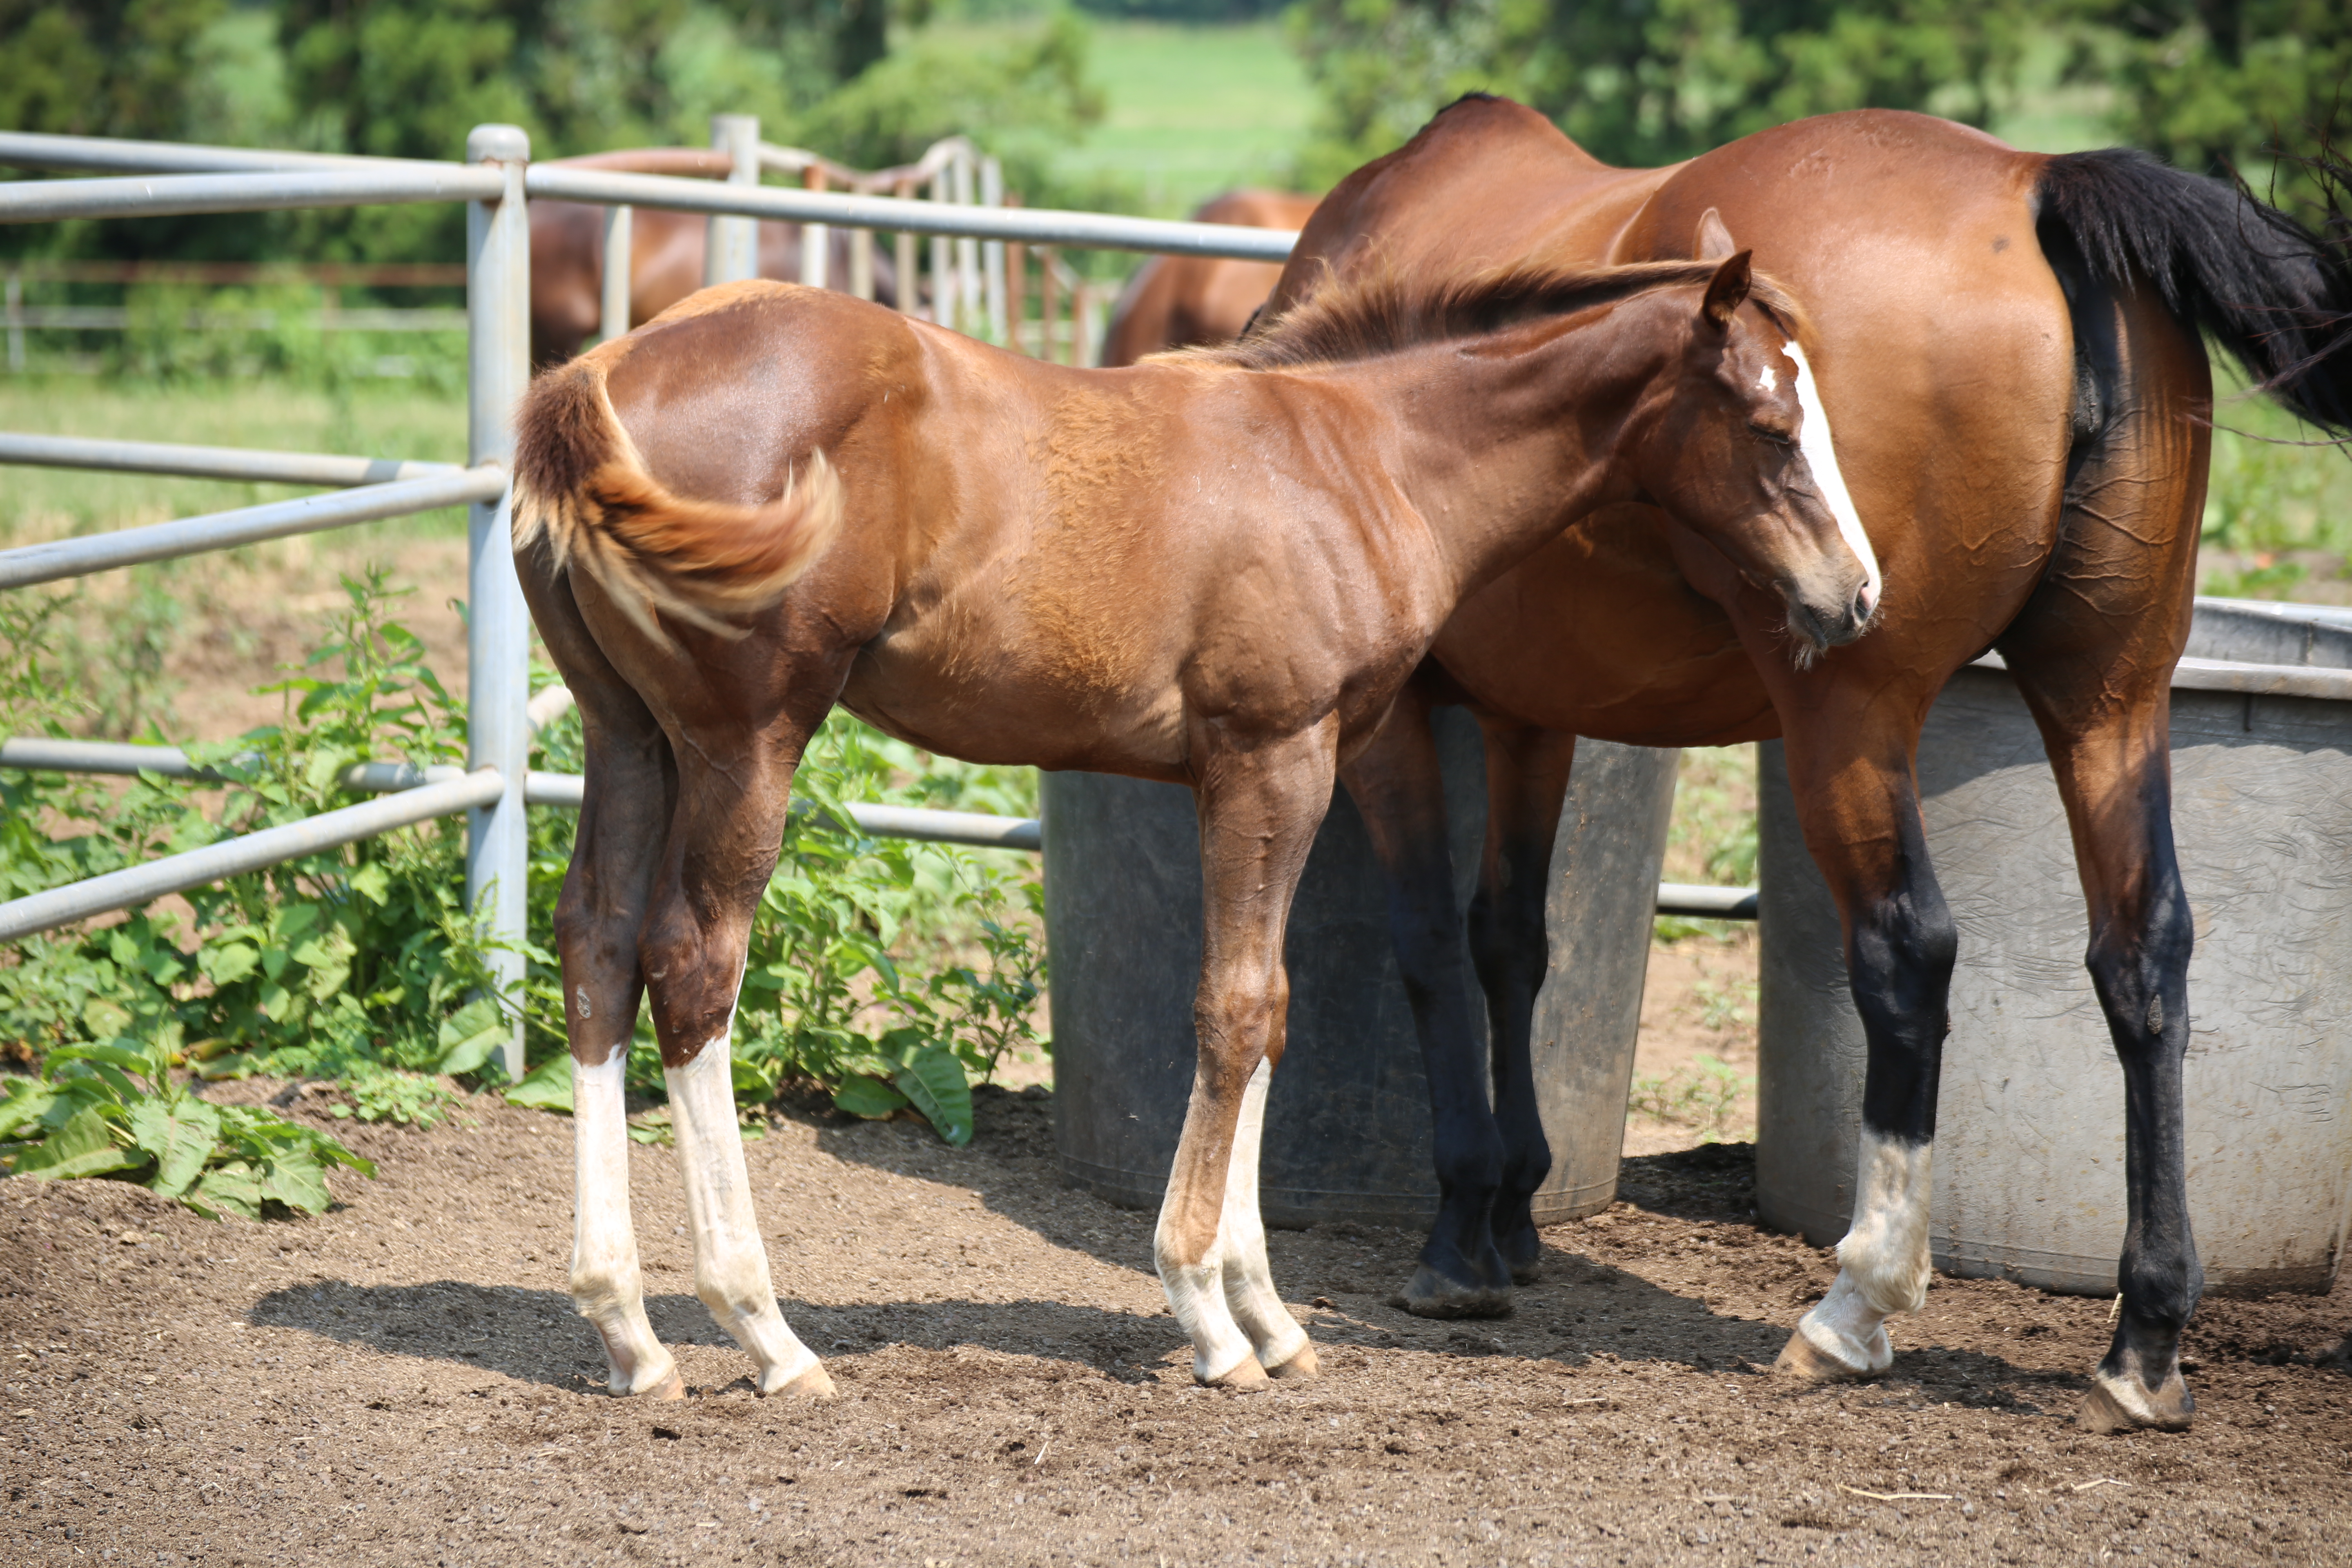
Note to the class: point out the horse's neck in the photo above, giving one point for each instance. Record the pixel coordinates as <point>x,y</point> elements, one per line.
<point>1505,449</point>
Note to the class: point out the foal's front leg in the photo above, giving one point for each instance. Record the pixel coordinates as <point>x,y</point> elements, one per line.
<point>1861,822</point>
<point>724,847</point>
<point>1260,804</point>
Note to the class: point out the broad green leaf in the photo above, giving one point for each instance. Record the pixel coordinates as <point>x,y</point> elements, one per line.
<point>26,1101</point>
<point>373,882</point>
<point>277,1002</point>
<point>104,1018</point>
<point>867,1097</point>
<point>295,1180</point>
<point>935,1083</point>
<point>82,1147</point>
<point>755,1079</point>
<point>547,1086</point>
<point>180,1136</point>
<point>232,1189</point>
<point>468,1036</point>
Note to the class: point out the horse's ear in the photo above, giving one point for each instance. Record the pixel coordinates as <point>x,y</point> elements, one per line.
<point>1727,291</point>
<point>1713,242</point>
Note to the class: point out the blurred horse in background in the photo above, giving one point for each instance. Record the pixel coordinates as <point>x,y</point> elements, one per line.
<point>1185,301</point>
<point>666,252</point>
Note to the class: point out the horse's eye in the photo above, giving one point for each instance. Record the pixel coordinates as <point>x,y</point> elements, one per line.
<point>1779,435</point>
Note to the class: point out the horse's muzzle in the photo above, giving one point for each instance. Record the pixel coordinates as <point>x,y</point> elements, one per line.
<point>1827,625</point>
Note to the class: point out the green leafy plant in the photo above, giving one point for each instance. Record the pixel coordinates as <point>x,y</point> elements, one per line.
<point>888,975</point>
<point>114,1109</point>
<point>1707,1094</point>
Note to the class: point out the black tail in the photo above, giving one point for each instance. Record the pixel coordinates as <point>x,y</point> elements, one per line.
<point>2273,294</point>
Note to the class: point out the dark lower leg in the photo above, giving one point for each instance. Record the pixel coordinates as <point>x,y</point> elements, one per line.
<point>1863,827</point>
<point>1396,786</point>
<point>2138,960</point>
<point>1527,778</point>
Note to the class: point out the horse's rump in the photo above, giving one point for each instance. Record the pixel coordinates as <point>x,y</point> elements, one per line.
<point>580,481</point>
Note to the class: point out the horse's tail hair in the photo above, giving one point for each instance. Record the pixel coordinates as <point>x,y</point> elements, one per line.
<point>580,486</point>
<point>2275,296</point>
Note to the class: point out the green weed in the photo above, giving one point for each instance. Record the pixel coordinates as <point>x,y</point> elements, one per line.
<point>114,1109</point>
<point>1707,1094</point>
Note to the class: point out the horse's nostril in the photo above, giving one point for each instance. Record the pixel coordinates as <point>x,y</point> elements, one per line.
<point>1865,600</point>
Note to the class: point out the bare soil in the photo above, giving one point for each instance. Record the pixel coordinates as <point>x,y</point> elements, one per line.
<point>402,1380</point>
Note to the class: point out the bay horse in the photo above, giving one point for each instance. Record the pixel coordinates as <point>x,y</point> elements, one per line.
<point>1217,570</point>
<point>665,253</point>
<point>2010,343</point>
<point>1189,301</point>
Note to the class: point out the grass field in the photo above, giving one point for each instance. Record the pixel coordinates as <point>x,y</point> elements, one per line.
<point>1192,111</point>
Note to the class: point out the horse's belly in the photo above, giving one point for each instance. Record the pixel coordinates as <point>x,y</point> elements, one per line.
<point>1012,706</point>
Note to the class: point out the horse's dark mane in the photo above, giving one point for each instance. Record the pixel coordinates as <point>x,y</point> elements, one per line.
<point>1383,312</point>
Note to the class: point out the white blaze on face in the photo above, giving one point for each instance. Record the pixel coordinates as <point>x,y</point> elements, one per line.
<point>1820,456</point>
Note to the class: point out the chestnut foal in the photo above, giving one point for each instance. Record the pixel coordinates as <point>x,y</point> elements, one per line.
<point>1217,569</point>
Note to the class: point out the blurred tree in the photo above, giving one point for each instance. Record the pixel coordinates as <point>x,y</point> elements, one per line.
<point>1648,81</point>
<point>2223,84</point>
<point>101,68</point>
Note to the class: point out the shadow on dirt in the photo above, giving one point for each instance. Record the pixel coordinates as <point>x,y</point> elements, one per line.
<point>534,1336</point>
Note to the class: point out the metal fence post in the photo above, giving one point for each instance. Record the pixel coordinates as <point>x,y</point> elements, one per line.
<point>968,301</point>
<point>816,239</point>
<point>498,634</point>
<point>991,253</point>
<point>620,259</point>
<point>732,251</point>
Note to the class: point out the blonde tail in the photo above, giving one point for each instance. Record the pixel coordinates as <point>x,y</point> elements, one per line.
<point>580,482</point>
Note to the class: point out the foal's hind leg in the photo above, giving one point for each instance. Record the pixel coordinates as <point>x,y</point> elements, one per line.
<point>1260,804</point>
<point>2092,654</point>
<point>722,847</point>
<point>1395,784</point>
<point>614,857</point>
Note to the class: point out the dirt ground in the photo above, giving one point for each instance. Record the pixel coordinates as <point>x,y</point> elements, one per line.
<point>402,1380</point>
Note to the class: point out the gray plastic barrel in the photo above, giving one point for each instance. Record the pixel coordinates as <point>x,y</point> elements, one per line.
<point>1348,1123</point>
<point>2029,1181</point>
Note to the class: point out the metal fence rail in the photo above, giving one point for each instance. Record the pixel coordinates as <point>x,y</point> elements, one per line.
<point>32,563</point>
<point>1033,226</point>
<point>210,462</point>
<point>270,847</point>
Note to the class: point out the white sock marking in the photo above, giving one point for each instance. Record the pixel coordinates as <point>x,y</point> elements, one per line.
<point>1241,1239</point>
<point>606,1284</point>
<point>1883,1264</point>
<point>1815,440</point>
<point>730,1261</point>
<point>1204,1294</point>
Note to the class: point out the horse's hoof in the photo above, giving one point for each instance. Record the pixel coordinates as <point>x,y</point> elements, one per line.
<point>668,1388</point>
<point>1430,1294</point>
<point>1526,1273</point>
<point>2122,1404</point>
<point>1247,1377</point>
<point>814,1384</point>
<point>1807,1362</point>
<point>1304,1364</point>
